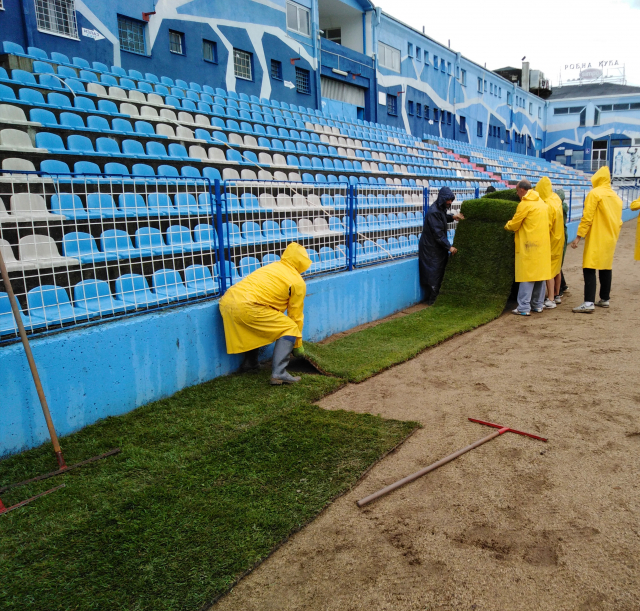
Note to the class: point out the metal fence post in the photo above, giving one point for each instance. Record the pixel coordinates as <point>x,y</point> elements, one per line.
<point>477,192</point>
<point>351,207</point>
<point>425,202</point>
<point>221,245</point>
<point>570,215</point>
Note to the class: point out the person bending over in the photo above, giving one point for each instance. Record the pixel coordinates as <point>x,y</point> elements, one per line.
<point>600,226</point>
<point>532,228</point>
<point>434,250</point>
<point>253,313</point>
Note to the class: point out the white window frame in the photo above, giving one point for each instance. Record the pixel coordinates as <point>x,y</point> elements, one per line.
<point>41,5</point>
<point>300,10</point>
<point>244,78</point>
<point>410,49</point>
<point>531,108</point>
<point>463,77</point>
<point>1,5</point>
<point>480,84</point>
<point>387,56</point>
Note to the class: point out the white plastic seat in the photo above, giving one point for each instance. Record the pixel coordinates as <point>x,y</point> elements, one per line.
<point>129,109</point>
<point>97,89</point>
<point>305,226</point>
<point>342,152</point>
<point>265,158</point>
<point>284,201</point>
<point>295,177</point>
<point>321,227</point>
<point>16,164</point>
<point>43,252</point>
<point>335,130</point>
<point>216,154</point>
<point>117,92</point>
<point>351,154</point>
<point>197,152</point>
<point>267,200</point>
<point>374,167</point>
<point>167,113</point>
<point>313,201</point>
<point>310,126</point>
<point>13,114</point>
<point>13,265</point>
<point>280,176</point>
<point>248,175</point>
<point>31,206</point>
<point>250,141</point>
<point>155,99</point>
<point>137,96</point>
<point>366,167</point>
<point>230,174</point>
<point>416,199</point>
<point>265,175</point>
<point>299,201</point>
<point>185,117</point>
<point>16,140</point>
<point>164,129</point>
<point>149,112</point>
<point>235,139</point>
<point>351,143</point>
<point>184,133</point>
<point>324,138</point>
<point>336,141</point>
<point>203,121</point>
<point>279,159</point>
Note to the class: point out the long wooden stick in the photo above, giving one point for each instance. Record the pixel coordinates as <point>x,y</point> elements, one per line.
<point>32,364</point>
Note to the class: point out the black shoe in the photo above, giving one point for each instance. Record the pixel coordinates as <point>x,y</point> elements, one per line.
<point>250,362</point>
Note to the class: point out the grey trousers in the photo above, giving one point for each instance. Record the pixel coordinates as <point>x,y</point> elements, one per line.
<point>531,295</point>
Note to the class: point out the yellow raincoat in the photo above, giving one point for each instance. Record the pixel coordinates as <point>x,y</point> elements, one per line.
<point>601,222</point>
<point>533,246</point>
<point>253,310</point>
<point>636,206</point>
<point>545,190</point>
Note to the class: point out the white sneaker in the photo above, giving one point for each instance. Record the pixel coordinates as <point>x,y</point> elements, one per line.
<point>602,303</point>
<point>519,313</point>
<point>537,310</point>
<point>558,299</point>
<point>584,309</point>
<point>549,304</point>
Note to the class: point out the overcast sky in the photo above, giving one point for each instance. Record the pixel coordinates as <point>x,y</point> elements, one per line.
<point>551,33</point>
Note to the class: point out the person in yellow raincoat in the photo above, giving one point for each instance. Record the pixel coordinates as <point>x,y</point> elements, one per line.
<point>600,226</point>
<point>253,312</point>
<point>545,190</point>
<point>635,205</point>
<point>532,227</point>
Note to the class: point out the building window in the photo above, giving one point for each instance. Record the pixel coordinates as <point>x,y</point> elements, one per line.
<point>1,5</point>
<point>508,99</point>
<point>410,107</point>
<point>210,51</point>
<point>443,65</point>
<point>131,35</point>
<point>303,82</point>
<point>388,57</point>
<point>596,116</point>
<point>426,112</point>
<point>539,112</point>
<point>530,108</point>
<point>448,118</point>
<point>410,49</point>
<point>334,35</point>
<point>298,18</point>
<point>583,117</point>
<point>242,64</point>
<point>479,85</point>
<point>498,132</point>
<point>435,62</point>
<point>449,68</point>
<point>463,77</point>
<point>176,42</point>
<point>485,86</point>
<point>419,110</point>
<point>463,125</point>
<point>479,129</point>
<point>392,105</point>
<point>276,69</point>
<point>418,53</point>
<point>426,57</point>
<point>436,115</point>
<point>500,92</point>
<point>443,116</point>
<point>507,136</point>
<point>57,17</point>
<point>491,88</point>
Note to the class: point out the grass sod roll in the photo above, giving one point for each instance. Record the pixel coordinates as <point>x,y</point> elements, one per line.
<point>209,482</point>
<point>476,286</point>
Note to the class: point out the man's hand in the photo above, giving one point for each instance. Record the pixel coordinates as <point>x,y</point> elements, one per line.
<point>453,250</point>
<point>575,243</point>
<point>298,352</point>
<point>458,217</point>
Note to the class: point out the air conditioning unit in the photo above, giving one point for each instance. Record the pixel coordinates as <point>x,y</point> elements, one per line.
<point>536,77</point>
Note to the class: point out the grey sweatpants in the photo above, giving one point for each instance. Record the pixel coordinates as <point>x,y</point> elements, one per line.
<point>531,295</point>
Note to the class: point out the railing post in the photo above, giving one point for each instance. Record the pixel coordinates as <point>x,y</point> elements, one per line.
<point>570,194</point>
<point>425,202</point>
<point>221,244</point>
<point>351,206</point>
<point>477,192</point>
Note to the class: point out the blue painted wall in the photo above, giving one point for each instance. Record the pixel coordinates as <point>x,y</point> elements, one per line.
<point>112,368</point>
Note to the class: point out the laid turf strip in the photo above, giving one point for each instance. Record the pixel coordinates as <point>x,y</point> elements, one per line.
<point>208,483</point>
<point>475,290</point>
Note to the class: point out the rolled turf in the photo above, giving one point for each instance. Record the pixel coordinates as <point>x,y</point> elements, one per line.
<point>208,483</point>
<point>476,286</point>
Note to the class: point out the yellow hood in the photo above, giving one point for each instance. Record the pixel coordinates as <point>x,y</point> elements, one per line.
<point>602,178</point>
<point>544,188</point>
<point>531,196</point>
<point>296,256</point>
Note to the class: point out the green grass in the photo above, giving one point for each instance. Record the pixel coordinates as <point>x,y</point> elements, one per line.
<point>475,290</point>
<point>208,483</point>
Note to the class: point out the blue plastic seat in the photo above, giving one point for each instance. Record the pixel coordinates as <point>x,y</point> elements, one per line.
<point>82,246</point>
<point>186,204</point>
<point>52,142</point>
<point>50,304</point>
<point>150,238</point>
<point>271,231</point>
<point>69,205</point>
<point>107,107</point>
<point>58,100</point>
<point>133,148</point>
<point>160,204</point>
<point>93,297</point>
<point>102,204</point>
<point>108,148</point>
<point>199,280</point>
<point>70,120</point>
<point>117,241</point>
<point>248,265</point>
<point>206,235</point>
<point>178,151</point>
<point>252,233</point>
<point>168,285</point>
<point>133,291</point>
<point>7,94</point>
<point>289,229</point>
<point>157,150</point>
<point>12,48</point>
<point>40,67</point>
<point>45,117</point>
<point>60,58</point>
<point>80,145</point>
<point>23,77</point>
<point>116,169</point>
<point>270,258</point>
<point>179,235</point>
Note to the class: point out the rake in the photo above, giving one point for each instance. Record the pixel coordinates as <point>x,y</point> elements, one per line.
<point>444,461</point>
<point>62,466</point>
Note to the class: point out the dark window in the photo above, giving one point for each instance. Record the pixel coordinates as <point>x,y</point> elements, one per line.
<point>436,65</point>
<point>463,125</point>
<point>436,115</point>
<point>634,106</point>
<point>176,42</point>
<point>210,51</point>
<point>560,111</point>
<point>448,118</point>
<point>621,107</point>
<point>334,35</point>
<point>131,35</point>
<point>410,107</point>
<point>606,107</point>
<point>479,129</point>
<point>392,105</point>
<point>498,132</point>
<point>583,117</point>
<point>57,17</point>
<point>419,110</point>
<point>276,69</point>
<point>507,136</point>
<point>303,82</point>
<point>426,112</point>
<point>596,116</point>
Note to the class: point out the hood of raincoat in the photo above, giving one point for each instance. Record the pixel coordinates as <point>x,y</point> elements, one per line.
<point>544,188</point>
<point>531,196</point>
<point>296,257</point>
<point>602,178</point>
<point>444,195</point>
<point>560,194</point>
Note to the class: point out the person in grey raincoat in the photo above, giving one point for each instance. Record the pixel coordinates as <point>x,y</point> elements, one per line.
<point>433,253</point>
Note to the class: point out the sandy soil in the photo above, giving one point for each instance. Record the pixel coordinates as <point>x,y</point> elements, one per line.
<point>515,524</point>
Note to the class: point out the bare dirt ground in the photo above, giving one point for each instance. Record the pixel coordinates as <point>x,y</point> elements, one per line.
<point>516,524</point>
